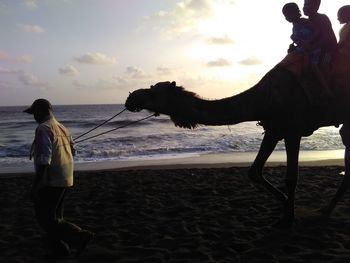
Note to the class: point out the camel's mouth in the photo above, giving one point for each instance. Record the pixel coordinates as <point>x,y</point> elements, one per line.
<point>133,109</point>
<point>134,101</point>
<point>131,106</point>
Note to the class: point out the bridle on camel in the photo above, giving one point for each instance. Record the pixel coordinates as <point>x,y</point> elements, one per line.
<point>108,131</point>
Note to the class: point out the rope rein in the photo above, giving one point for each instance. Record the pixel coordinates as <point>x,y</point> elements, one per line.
<point>100,124</point>
<point>123,126</point>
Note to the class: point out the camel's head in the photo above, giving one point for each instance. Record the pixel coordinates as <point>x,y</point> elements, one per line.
<point>163,98</point>
<point>153,99</point>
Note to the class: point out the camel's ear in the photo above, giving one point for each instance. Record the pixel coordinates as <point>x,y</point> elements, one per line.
<point>173,84</point>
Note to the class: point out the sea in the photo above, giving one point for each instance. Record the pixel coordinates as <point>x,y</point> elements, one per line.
<point>153,138</point>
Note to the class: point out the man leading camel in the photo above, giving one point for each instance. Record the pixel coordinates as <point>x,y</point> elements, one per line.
<point>53,160</point>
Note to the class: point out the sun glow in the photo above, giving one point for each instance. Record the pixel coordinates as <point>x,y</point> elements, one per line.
<point>234,48</point>
<point>246,34</point>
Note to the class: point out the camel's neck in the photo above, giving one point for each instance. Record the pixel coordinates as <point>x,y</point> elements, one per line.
<point>255,104</point>
<point>246,106</point>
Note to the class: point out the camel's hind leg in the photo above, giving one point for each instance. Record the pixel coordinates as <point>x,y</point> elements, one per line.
<point>255,172</point>
<point>292,147</point>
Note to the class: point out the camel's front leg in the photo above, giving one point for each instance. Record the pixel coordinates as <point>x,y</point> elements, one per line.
<point>255,172</point>
<point>292,147</point>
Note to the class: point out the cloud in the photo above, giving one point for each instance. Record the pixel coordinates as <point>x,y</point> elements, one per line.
<point>135,72</point>
<point>207,86</point>
<point>8,57</point>
<point>28,79</point>
<point>79,84</point>
<point>31,80</point>
<point>5,85</point>
<point>32,29</point>
<point>133,77</point>
<point>25,58</point>
<point>193,8</point>
<point>25,78</point>
<point>121,80</point>
<point>3,55</point>
<point>8,71</point>
<point>184,16</point>
<point>101,84</point>
<point>251,61</point>
<point>220,62</point>
<point>95,59</point>
<point>31,4</point>
<point>221,40</point>
<point>107,84</point>
<point>68,70</point>
<point>165,70</point>
<point>186,9</point>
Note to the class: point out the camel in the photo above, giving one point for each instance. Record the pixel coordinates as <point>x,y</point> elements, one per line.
<point>278,102</point>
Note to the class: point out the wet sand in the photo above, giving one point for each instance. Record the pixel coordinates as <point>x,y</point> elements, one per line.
<point>184,215</point>
<point>206,160</point>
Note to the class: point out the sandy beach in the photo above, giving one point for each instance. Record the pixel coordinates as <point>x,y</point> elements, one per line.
<point>207,160</point>
<point>185,214</point>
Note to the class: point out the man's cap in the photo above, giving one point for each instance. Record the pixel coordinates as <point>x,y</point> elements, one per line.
<point>39,105</point>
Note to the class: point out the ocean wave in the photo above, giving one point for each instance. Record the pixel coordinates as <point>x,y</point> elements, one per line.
<point>14,149</point>
<point>153,137</point>
<point>17,124</point>
<point>111,124</point>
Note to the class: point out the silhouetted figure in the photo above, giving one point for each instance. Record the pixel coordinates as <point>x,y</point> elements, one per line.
<point>344,50</point>
<point>344,33</point>
<point>53,160</point>
<point>301,27</point>
<point>322,44</point>
<point>300,57</point>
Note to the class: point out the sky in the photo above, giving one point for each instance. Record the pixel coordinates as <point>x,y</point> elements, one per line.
<point>97,51</point>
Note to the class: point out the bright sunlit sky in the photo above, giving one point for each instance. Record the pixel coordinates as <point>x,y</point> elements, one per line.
<point>97,51</point>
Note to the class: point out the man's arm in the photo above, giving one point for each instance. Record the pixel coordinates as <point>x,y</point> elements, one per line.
<point>43,140</point>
